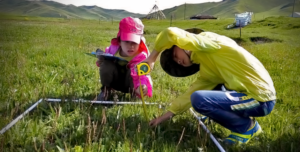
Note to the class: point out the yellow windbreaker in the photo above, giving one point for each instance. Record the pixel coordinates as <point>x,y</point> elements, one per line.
<point>222,61</point>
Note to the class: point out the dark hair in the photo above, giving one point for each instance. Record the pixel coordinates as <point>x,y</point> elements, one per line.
<point>173,68</point>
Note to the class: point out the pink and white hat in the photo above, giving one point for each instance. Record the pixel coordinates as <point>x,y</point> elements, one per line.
<point>131,29</point>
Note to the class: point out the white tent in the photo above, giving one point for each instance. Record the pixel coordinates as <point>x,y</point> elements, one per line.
<point>296,14</point>
<point>243,19</point>
<point>155,13</point>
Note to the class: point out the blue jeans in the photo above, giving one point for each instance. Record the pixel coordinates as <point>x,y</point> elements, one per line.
<point>230,109</point>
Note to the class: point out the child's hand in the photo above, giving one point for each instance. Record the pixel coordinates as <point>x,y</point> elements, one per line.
<point>144,89</point>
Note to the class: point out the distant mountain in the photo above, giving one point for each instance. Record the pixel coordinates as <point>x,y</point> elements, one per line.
<point>228,8</point>
<point>54,9</point>
<point>223,9</point>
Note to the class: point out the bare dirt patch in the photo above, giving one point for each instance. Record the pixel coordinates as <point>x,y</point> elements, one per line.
<point>261,40</point>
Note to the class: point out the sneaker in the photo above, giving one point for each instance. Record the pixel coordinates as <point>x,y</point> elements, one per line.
<point>105,95</point>
<point>237,138</point>
<point>101,96</point>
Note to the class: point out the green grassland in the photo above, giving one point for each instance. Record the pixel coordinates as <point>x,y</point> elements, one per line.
<point>46,58</point>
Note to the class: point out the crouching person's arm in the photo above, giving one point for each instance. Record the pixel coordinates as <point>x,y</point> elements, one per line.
<point>183,102</point>
<point>151,59</point>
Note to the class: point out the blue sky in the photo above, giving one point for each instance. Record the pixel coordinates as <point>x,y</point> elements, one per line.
<point>134,6</point>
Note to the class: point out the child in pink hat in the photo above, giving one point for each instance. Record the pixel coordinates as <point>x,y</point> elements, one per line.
<point>129,45</point>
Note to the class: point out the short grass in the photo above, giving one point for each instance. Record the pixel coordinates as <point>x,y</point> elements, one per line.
<point>43,58</point>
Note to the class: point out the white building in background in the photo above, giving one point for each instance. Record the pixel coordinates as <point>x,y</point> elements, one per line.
<point>243,19</point>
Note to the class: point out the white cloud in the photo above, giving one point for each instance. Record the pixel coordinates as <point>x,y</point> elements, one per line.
<point>134,6</point>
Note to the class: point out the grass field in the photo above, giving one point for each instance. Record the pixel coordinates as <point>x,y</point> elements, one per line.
<point>43,58</point>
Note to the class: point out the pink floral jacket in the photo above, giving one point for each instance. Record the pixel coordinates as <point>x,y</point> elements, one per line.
<point>144,53</point>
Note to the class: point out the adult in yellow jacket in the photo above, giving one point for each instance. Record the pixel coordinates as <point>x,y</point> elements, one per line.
<point>221,61</point>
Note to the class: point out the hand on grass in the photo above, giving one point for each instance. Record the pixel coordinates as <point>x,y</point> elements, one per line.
<point>155,122</point>
<point>161,119</point>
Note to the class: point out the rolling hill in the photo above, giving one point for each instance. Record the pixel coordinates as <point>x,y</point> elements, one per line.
<point>54,9</point>
<point>227,8</point>
<point>224,9</point>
